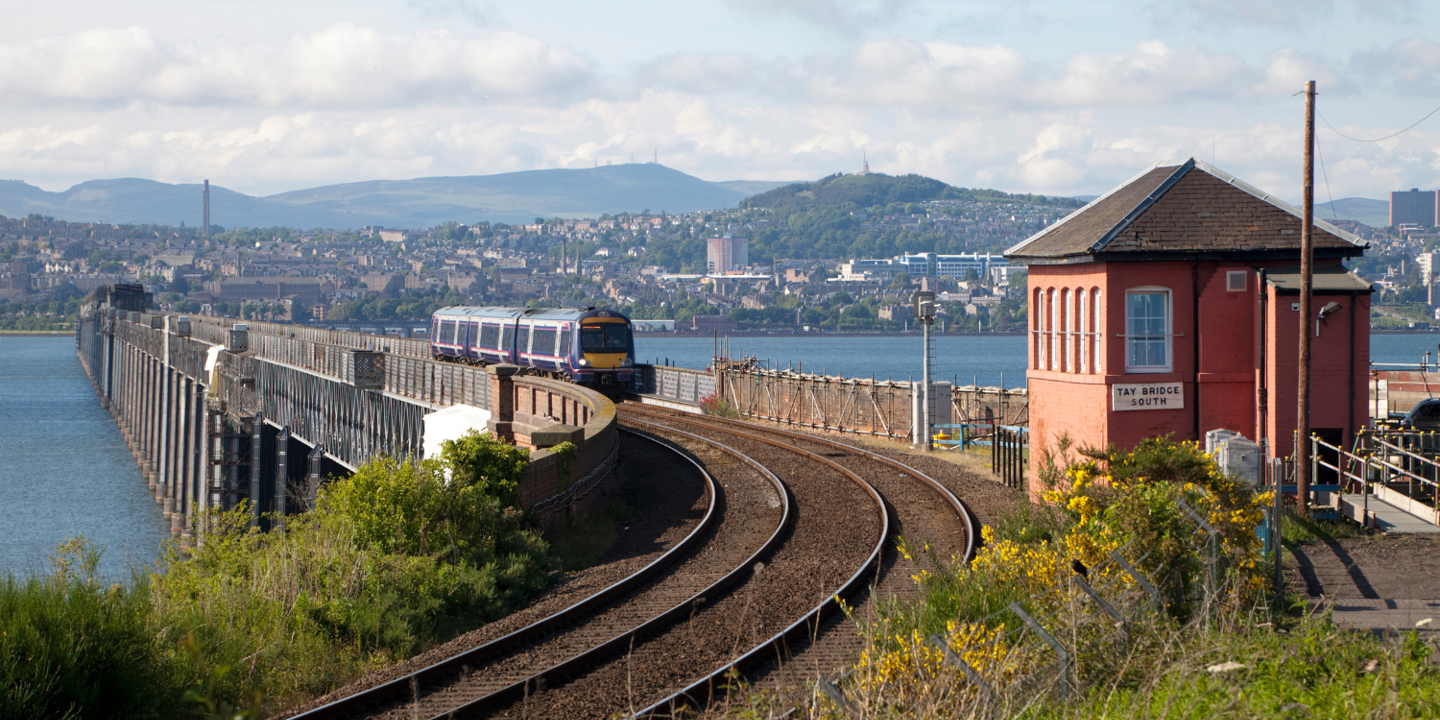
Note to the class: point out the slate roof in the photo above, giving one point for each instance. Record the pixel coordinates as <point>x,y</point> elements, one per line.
<point>1181,211</point>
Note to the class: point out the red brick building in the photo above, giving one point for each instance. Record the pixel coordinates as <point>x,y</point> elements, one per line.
<point>1170,306</point>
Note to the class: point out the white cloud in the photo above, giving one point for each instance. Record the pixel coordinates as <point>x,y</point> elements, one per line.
<point>1411,64</point>
<point>344,65</point>
<point>845,16</point>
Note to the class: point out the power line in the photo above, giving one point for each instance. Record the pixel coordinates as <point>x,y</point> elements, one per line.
<point>1326,175</point>
<point>1387,137</point>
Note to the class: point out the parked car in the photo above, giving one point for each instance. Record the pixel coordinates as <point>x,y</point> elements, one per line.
<point>1424,416</point>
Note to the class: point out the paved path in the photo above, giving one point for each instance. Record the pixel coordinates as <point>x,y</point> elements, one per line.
<point>1388,582</point>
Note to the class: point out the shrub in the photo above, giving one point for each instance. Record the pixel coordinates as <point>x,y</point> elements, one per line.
<point>71,647</point>
<point>713,404</point>
<point>397,555</point>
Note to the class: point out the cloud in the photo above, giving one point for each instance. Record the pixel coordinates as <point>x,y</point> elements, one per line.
<point>344,65</point>
<point>480,14</point>
<point>1411,64</point>
<point>1260,12</point>
<point>844,16</point>
<point>1151,73</point>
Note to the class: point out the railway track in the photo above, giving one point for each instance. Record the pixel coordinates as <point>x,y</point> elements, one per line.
<point>923,510</point>
<point>793,523</point>
<point>608,633</point>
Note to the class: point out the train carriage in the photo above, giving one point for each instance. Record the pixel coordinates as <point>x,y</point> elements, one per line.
<point>586,346</point>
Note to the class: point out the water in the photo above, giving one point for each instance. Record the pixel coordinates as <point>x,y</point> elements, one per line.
<point>64,468</point>
<point>964,356</point>
<point>1407,348</point>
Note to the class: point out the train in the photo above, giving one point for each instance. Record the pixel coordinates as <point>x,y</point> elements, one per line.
<point>585,346</point>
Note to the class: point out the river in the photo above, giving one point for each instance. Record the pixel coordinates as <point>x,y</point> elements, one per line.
<point>64,468</point>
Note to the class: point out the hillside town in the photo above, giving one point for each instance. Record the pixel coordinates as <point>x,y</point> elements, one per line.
<point>695,272</point>
<point>724,270</point>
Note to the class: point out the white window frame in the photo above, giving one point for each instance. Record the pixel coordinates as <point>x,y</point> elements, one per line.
<point>1052,298</point>
<point>1082,305</point>
<point>1096,365</point>
<point>1067,330</point>
<point>1166,334</point>
<point>1037,319</point>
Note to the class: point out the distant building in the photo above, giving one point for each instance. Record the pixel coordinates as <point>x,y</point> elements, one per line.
<point>1414,206</point>
<point>928,265</point>
<point>726,254</point>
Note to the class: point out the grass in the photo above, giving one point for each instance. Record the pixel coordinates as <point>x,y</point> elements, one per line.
<point>71,647</point>
<point>1295,529</point>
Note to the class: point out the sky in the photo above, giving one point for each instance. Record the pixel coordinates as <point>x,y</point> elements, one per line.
<point>1053,97</point>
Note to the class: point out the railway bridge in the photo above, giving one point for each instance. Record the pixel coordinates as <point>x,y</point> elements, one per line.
<point>218,412</point>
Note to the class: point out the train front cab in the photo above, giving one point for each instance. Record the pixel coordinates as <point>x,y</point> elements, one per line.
<point>607,350</point>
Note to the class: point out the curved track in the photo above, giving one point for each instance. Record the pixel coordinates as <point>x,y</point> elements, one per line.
<point>794,522</point>
<point>924,511</point>
<point>579,627</point>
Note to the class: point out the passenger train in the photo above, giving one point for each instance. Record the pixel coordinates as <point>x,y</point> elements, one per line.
<point>585,346</point>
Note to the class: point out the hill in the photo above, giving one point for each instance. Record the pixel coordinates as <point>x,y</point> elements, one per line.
<point>517,196</point>
<point>1375,213</point>
<point>877,189</point>
<point>506,197</point>
<point>876,215</point>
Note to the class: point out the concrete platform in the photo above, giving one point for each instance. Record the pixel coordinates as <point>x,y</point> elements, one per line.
<point>1383,516</point>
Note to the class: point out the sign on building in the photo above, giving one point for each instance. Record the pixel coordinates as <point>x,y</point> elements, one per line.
<point>1147,396</point>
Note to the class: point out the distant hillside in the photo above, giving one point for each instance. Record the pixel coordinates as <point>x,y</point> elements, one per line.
<point>134,201</point>
<point>864,191</point>
<point>507,197</point>
<point>754,187</point>
<point>1375,213</point>
<point>517,196</point>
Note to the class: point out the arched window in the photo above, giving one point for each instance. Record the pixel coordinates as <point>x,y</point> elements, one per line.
<point>1082,339</point>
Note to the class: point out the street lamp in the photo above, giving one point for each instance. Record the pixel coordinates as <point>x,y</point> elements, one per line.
<point>924,302</point>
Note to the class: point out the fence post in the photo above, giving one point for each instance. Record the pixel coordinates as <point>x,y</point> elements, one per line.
<point>971,674</point>
<point>1212,552</point>
<point>1062,663</point>
<point>1277,476</point>
<point>1140,579</point>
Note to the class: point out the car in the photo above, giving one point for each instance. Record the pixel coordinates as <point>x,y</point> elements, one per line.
<point>1424,416</point>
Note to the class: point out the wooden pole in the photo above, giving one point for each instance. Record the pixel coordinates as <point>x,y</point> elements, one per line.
<point>1307,250</point>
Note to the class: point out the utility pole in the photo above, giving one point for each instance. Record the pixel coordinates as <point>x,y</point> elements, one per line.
<point>1307,250</point>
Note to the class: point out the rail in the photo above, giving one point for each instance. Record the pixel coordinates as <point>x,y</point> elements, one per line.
<point>387,692</point>
<point>701,692</point>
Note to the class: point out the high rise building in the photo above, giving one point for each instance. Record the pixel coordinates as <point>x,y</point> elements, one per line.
<point>1414,207</point>
<point>724,254</point>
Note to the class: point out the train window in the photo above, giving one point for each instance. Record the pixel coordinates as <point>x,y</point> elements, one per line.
<point>544,343</point>
<point>522,340</point>
<point>490,336</point>
<point>447,333</point>
<point>507,338</point>
<point>610,337</point>
<point>472,332</point>
<point>564,342</point>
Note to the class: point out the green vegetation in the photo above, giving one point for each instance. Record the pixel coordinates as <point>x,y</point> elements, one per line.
<point>71,647</point>
<point>1213,647</point>
<point>395,558</point>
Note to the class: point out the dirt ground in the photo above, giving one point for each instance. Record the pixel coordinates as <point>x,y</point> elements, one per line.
<point>1399,567</point>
